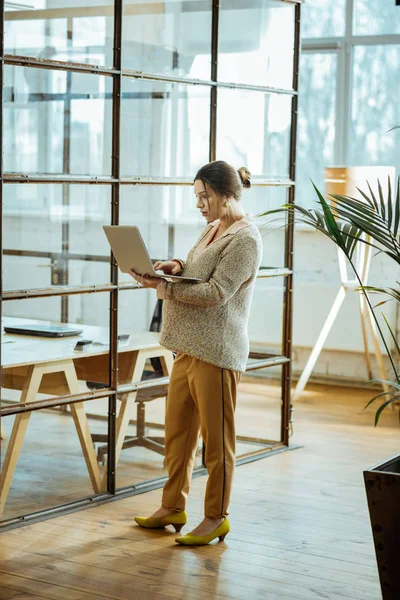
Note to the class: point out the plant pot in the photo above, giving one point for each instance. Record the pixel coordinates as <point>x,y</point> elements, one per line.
<point>382,484</point>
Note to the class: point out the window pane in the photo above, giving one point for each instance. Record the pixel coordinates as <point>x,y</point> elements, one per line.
<point>51,467</point>
<point>256,44</point>
<point>56,122</point>
<point>52,235</point>
<point>316,123</point>
<point>323,18</point>
<point>165,128</point>
<point>167,218</point>
<point>257,201</point>
<point>61,32</point>
<point>259,402</point>
<point>169,37</point>
<point>376,18</point>
<point>253,131</point>
<point>375,106</point>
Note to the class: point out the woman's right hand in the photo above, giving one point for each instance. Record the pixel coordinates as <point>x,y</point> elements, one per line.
<point>171,267</point>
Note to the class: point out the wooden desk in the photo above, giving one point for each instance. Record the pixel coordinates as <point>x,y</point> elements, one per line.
<point>52,366</point>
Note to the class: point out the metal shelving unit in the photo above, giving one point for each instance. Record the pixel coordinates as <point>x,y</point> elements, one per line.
<point>60,261</point>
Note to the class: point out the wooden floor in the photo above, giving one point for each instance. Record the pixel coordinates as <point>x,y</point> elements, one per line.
<point>300,527</point>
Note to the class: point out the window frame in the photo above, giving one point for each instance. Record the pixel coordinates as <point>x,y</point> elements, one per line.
<point>344,47</point>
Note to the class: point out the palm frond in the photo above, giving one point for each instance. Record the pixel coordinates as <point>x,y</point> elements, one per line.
<point>382,202</point>
<point>393,384</point>
<point>393,128</point>
<point>389,205</point>
<point>396,343</point>
<point>393,397</point>
<point>344,235</point>
<point>380,220</point>
<point>392,292</point>
<point>397,210</point>
<point>383,406</point>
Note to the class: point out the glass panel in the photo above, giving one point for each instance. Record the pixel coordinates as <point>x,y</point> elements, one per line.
<point>253,130</point>
<point>375,106</point>
<point>316,124</point>
<point>169,37</point>
<point>323,18</point>
<point>266,333</point>
<point>60,31</point>
<point>272,228</point>
<point>51,467</point>
<point>376,18</point>
<point>56,122</point>
<point>259,406</point>
<point>52,235</point>
<point>258,411</point>
<point>256,43</point>
<point>165,128</point>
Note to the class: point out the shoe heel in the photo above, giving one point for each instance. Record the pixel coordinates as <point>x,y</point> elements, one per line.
<point>178,527</point>
<point>222,537</point>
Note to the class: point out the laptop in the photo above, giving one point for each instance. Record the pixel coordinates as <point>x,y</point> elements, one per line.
<point>130,252</point>
<point>43,330</point>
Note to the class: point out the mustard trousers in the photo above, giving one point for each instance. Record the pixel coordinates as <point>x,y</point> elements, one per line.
<point>201,399</point>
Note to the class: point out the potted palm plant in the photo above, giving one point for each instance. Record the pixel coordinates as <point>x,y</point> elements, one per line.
<point>344,220</point>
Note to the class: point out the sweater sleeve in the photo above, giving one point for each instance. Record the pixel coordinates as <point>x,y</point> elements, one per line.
<point>238,263</point>
<point>180,261</point>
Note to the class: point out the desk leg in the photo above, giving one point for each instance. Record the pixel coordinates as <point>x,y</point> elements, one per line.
<point>31,388</point>
<point>82,428</point>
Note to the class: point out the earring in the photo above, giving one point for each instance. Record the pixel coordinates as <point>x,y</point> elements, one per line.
<point>227,203</point>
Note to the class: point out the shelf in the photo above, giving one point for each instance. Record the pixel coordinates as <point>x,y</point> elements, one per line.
<point>261,360</point>
<point>273,272</point>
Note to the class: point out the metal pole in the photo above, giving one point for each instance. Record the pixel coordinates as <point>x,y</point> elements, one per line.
<point>288,285</point>
<point>63,265</point>
<point>1,180</point>
<point>115,198</point>
<point>214,78</point>
<point>213,103</point>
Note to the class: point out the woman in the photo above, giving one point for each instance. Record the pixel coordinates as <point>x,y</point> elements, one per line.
<point>206,325</point>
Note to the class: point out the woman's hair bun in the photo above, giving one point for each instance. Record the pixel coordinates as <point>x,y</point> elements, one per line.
<point>245,177</point>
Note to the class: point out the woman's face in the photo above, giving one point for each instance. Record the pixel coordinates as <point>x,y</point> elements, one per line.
<point>208,202</point>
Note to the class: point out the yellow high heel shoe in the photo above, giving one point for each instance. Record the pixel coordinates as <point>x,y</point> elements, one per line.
<point>177,519</point>
<point>201,540</point>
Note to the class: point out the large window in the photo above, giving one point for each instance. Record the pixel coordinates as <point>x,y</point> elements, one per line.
<point>349,88</point>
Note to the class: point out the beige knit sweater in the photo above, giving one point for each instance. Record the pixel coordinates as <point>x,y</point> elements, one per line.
<point>209,320</point>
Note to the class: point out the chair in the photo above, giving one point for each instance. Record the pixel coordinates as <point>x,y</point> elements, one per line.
<point>155,443</point>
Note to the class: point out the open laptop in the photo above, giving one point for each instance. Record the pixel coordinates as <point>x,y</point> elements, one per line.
<point>131,253</point>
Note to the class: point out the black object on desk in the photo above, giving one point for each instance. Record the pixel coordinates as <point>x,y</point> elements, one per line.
<point>81,344</point>
<point>43,330</point>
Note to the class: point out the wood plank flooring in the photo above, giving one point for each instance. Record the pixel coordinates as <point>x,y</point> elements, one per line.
<point>300,526</point>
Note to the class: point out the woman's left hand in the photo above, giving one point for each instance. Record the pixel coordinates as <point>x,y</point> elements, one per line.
<point>146,280</point>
